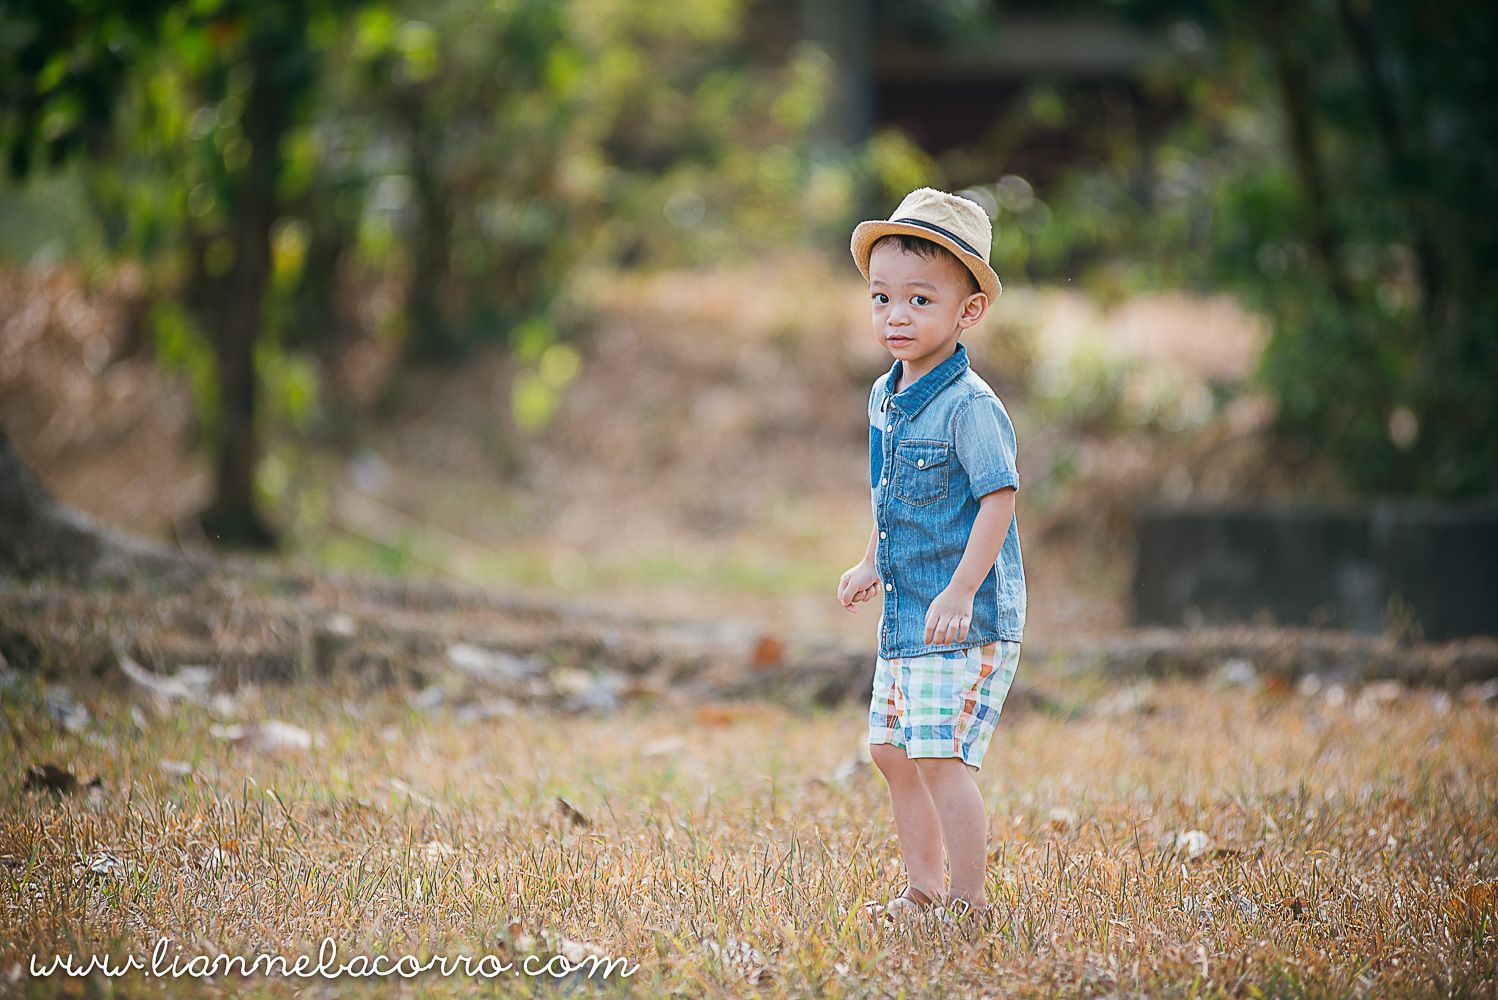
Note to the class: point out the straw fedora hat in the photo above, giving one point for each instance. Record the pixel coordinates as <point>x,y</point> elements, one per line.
<point>956,223</point>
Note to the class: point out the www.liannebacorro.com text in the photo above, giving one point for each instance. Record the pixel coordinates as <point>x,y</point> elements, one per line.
<point>327,967</point>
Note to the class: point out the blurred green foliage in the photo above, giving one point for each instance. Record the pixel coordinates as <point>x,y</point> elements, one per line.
<point>473,155</point>
<point>1334,164</point>
<point>300,176</point>
<point>442,170</point>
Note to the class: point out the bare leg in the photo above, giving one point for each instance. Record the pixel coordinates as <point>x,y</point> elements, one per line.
<point>964,824</point>
<point>916,820</point>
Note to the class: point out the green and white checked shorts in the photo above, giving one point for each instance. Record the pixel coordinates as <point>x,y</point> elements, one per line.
<point>942,704</point>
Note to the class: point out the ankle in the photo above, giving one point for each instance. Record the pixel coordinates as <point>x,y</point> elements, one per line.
<point>970,901</point>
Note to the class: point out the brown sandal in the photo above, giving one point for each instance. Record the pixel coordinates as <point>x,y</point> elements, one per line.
<point>910,896</point>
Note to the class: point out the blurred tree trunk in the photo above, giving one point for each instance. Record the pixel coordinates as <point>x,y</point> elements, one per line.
<point>1279,30</point>
<point>232,306</point>
<point>431,331</point>
<point>1404,173</point>
<point>42,538</point>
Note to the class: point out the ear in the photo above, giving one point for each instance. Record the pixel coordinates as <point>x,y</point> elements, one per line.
<point>973,308</point>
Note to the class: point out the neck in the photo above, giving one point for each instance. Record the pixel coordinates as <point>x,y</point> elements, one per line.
<point>911,372</point>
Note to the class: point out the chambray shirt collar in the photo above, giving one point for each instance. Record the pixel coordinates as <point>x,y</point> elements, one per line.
<point>915,397</point>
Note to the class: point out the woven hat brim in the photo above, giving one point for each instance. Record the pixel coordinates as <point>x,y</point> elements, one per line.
<point>866,234</point>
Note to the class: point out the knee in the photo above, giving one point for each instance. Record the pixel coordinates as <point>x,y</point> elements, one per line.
<point>888,757</point>
<point>938,770</point>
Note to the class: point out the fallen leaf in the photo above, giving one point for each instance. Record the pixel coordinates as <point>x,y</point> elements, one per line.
<point>1381,692</point>
<point>718,715</point>
<point>1236,673</point>
<point>577,951</point>
<point>740,956</point>
<point>853,767</point>
<point>435,851</point>
<point>273,735</point>
<point>769,652</point>
<point>1192,843</point>
<point>644,687</point>
<point>341,625</point>
<point>267,736</point>
<point>107,865</point>
<point>663,746</point>
<point>52,778</point>
<point>1242,904</point>
<point>1061,818</point>
<point>489,664</point>
<point>62,708</point>
<point>1295,906</point>
<point>1277,686</point>
<point>1134,699</point>
<point>189,683</point>
<point>1473,900</point>
<point>570,680</point>
<point>489,708</point>
<point>571,813</point>
<point>427,699</point>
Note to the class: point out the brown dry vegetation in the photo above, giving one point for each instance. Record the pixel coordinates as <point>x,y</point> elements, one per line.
<point>1349,844</point>
<point>708,461</point>
<point>1249,833</point>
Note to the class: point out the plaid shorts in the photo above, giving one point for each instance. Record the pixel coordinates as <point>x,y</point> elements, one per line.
<point>942,704</point>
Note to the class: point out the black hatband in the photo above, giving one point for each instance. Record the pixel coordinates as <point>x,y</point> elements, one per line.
<point>938,229</point>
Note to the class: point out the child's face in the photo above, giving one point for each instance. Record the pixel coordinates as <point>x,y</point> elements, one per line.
<point>921,305</point>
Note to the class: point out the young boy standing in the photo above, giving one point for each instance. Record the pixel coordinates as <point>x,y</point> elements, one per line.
<point>944,550</point>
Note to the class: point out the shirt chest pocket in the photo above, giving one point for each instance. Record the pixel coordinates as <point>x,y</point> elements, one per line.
<point>921,471</point>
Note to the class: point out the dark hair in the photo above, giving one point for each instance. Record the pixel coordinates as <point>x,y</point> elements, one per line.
<point>930,250</point>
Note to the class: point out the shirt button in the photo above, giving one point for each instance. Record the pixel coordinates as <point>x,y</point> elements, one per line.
<point>920,463</point>
<point>889,586</point>
<point>883,535</point>
<point>883,480</point>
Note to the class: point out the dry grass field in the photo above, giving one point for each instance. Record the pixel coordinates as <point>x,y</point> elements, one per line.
<point>1222,837</point>
<point>1175,839</point>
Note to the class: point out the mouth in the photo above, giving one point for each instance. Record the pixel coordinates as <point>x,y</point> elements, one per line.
<point>897,341</point>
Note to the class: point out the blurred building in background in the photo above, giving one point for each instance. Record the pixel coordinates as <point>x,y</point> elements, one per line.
<point>950,83</point>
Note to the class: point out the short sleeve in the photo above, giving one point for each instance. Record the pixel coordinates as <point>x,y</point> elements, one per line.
<point>985,445</point>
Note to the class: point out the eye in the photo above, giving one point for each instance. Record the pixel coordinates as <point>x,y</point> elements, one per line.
<point>919,300</point>
<point>881,298</point>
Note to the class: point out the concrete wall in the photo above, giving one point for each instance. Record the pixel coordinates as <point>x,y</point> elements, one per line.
<point>1365,568</point>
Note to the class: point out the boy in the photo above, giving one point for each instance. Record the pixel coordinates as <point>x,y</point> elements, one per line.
<point>944,551</point>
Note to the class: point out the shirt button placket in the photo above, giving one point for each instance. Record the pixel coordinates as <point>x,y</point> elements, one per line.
<point>884,550</point>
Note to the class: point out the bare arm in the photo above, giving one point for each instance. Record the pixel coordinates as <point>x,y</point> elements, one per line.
<point>990,527</point>
<point>951,613</point>
<point>873,548</point>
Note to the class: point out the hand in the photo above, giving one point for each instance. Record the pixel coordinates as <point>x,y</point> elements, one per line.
<point>949,616</point>
<point>858,584</point>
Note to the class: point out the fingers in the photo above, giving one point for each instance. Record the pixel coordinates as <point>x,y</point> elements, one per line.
<point>946,629</point>
<point>847,599</point>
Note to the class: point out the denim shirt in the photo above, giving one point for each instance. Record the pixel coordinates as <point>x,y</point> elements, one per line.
<point>934,450</point>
